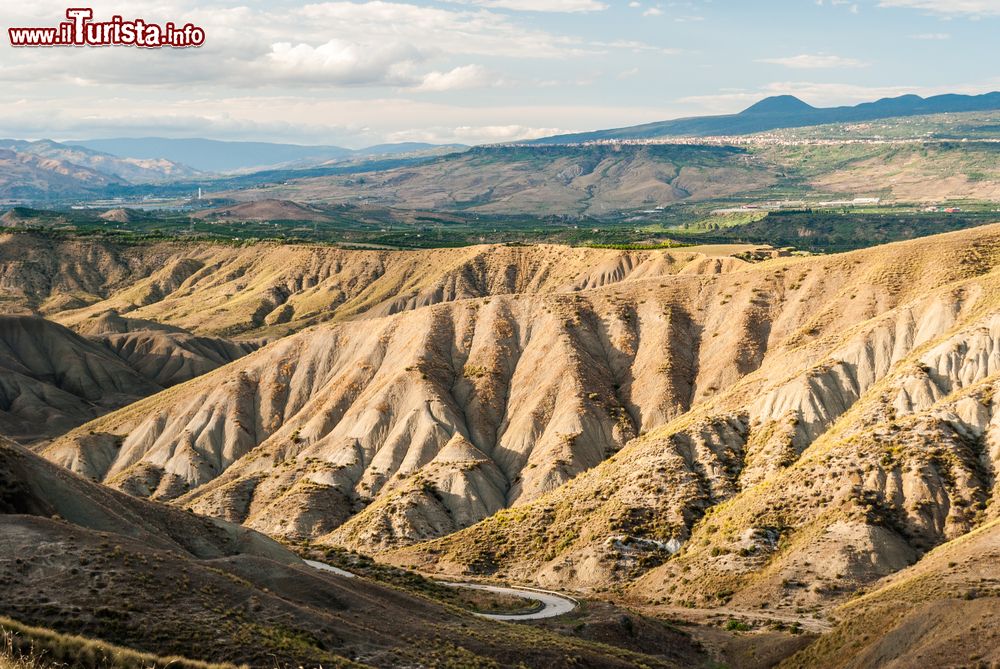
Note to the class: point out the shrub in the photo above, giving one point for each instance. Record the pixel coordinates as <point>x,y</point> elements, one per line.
<point>733,625</point>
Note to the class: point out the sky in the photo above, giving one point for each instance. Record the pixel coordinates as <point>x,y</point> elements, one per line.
<point>478,71</point>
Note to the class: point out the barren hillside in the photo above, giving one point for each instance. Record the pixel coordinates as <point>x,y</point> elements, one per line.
<point>940,612</point>
<point>52,379</point>
<point>78,558</point>
<point>688,430</point>
<point>387,431</point>
<point>595,180</point>
<point>267,289</point>
<point>264,210</point>
<point>865,443</point>
<point>903,173</point>
<point>543,180</point>
<point>27,175</point>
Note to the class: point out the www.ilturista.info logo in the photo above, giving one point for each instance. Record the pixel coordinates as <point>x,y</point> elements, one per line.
<point>81,30</point>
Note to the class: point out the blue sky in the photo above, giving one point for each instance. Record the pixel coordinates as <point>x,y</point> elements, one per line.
<point>358,73</point>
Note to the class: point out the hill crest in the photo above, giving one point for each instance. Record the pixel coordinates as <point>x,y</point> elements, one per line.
<point>786,111</point>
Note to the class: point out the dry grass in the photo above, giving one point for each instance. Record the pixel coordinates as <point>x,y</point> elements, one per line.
<point>25,647</point>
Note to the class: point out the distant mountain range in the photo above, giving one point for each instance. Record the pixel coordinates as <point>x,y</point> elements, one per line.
<point>209,155</point>
<point>787,111</point>
<point>45,170</point>
<point>28,176</point>
<point>127,169</point>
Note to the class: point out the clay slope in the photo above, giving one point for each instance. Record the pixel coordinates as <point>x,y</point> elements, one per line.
<point>912,465</point>
<point>380,433</point>
<point>166,355</point>
<point>502,398</point>
<point>941,612</point>
<point>81,559</point>
<point>848,453</point>
<point>267,289</point>
<point>32,486</point>
<point>52,379</point>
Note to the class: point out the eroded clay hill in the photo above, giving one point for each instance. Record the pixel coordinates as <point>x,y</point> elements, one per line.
<point>270,290</point>
<point>940,612</point>
<point>864,439</point>
<point>142,302</point>
<point>78,558</point>
<point>611,419</point>
<point>53,379</point>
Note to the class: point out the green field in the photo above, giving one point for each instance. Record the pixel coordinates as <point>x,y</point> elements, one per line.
<point>807,229</point>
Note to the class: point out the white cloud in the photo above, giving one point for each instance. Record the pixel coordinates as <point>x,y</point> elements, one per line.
<point>852,7</point>
<point>465,32</point>
<point>819,61</point>
<point>540,5</point>
<point>314,118</point>
<point>653,11</point>
<point>467,134</point>
<point>376,43</point>
<point>636,47</point>
<point>931,36</point>
<point>355,72</point>
<point>341,63</point>
<point>948,7</point>
<point>465,76</point>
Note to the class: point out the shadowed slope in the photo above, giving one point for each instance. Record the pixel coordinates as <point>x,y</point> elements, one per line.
<point>53,379</point>
<point>30,485</point>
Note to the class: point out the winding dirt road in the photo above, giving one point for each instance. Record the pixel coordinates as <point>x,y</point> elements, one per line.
<point>322,566</point>
<point>553,604</point>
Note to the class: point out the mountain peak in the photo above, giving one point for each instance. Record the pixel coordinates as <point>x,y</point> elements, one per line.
<point>778,104</point>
